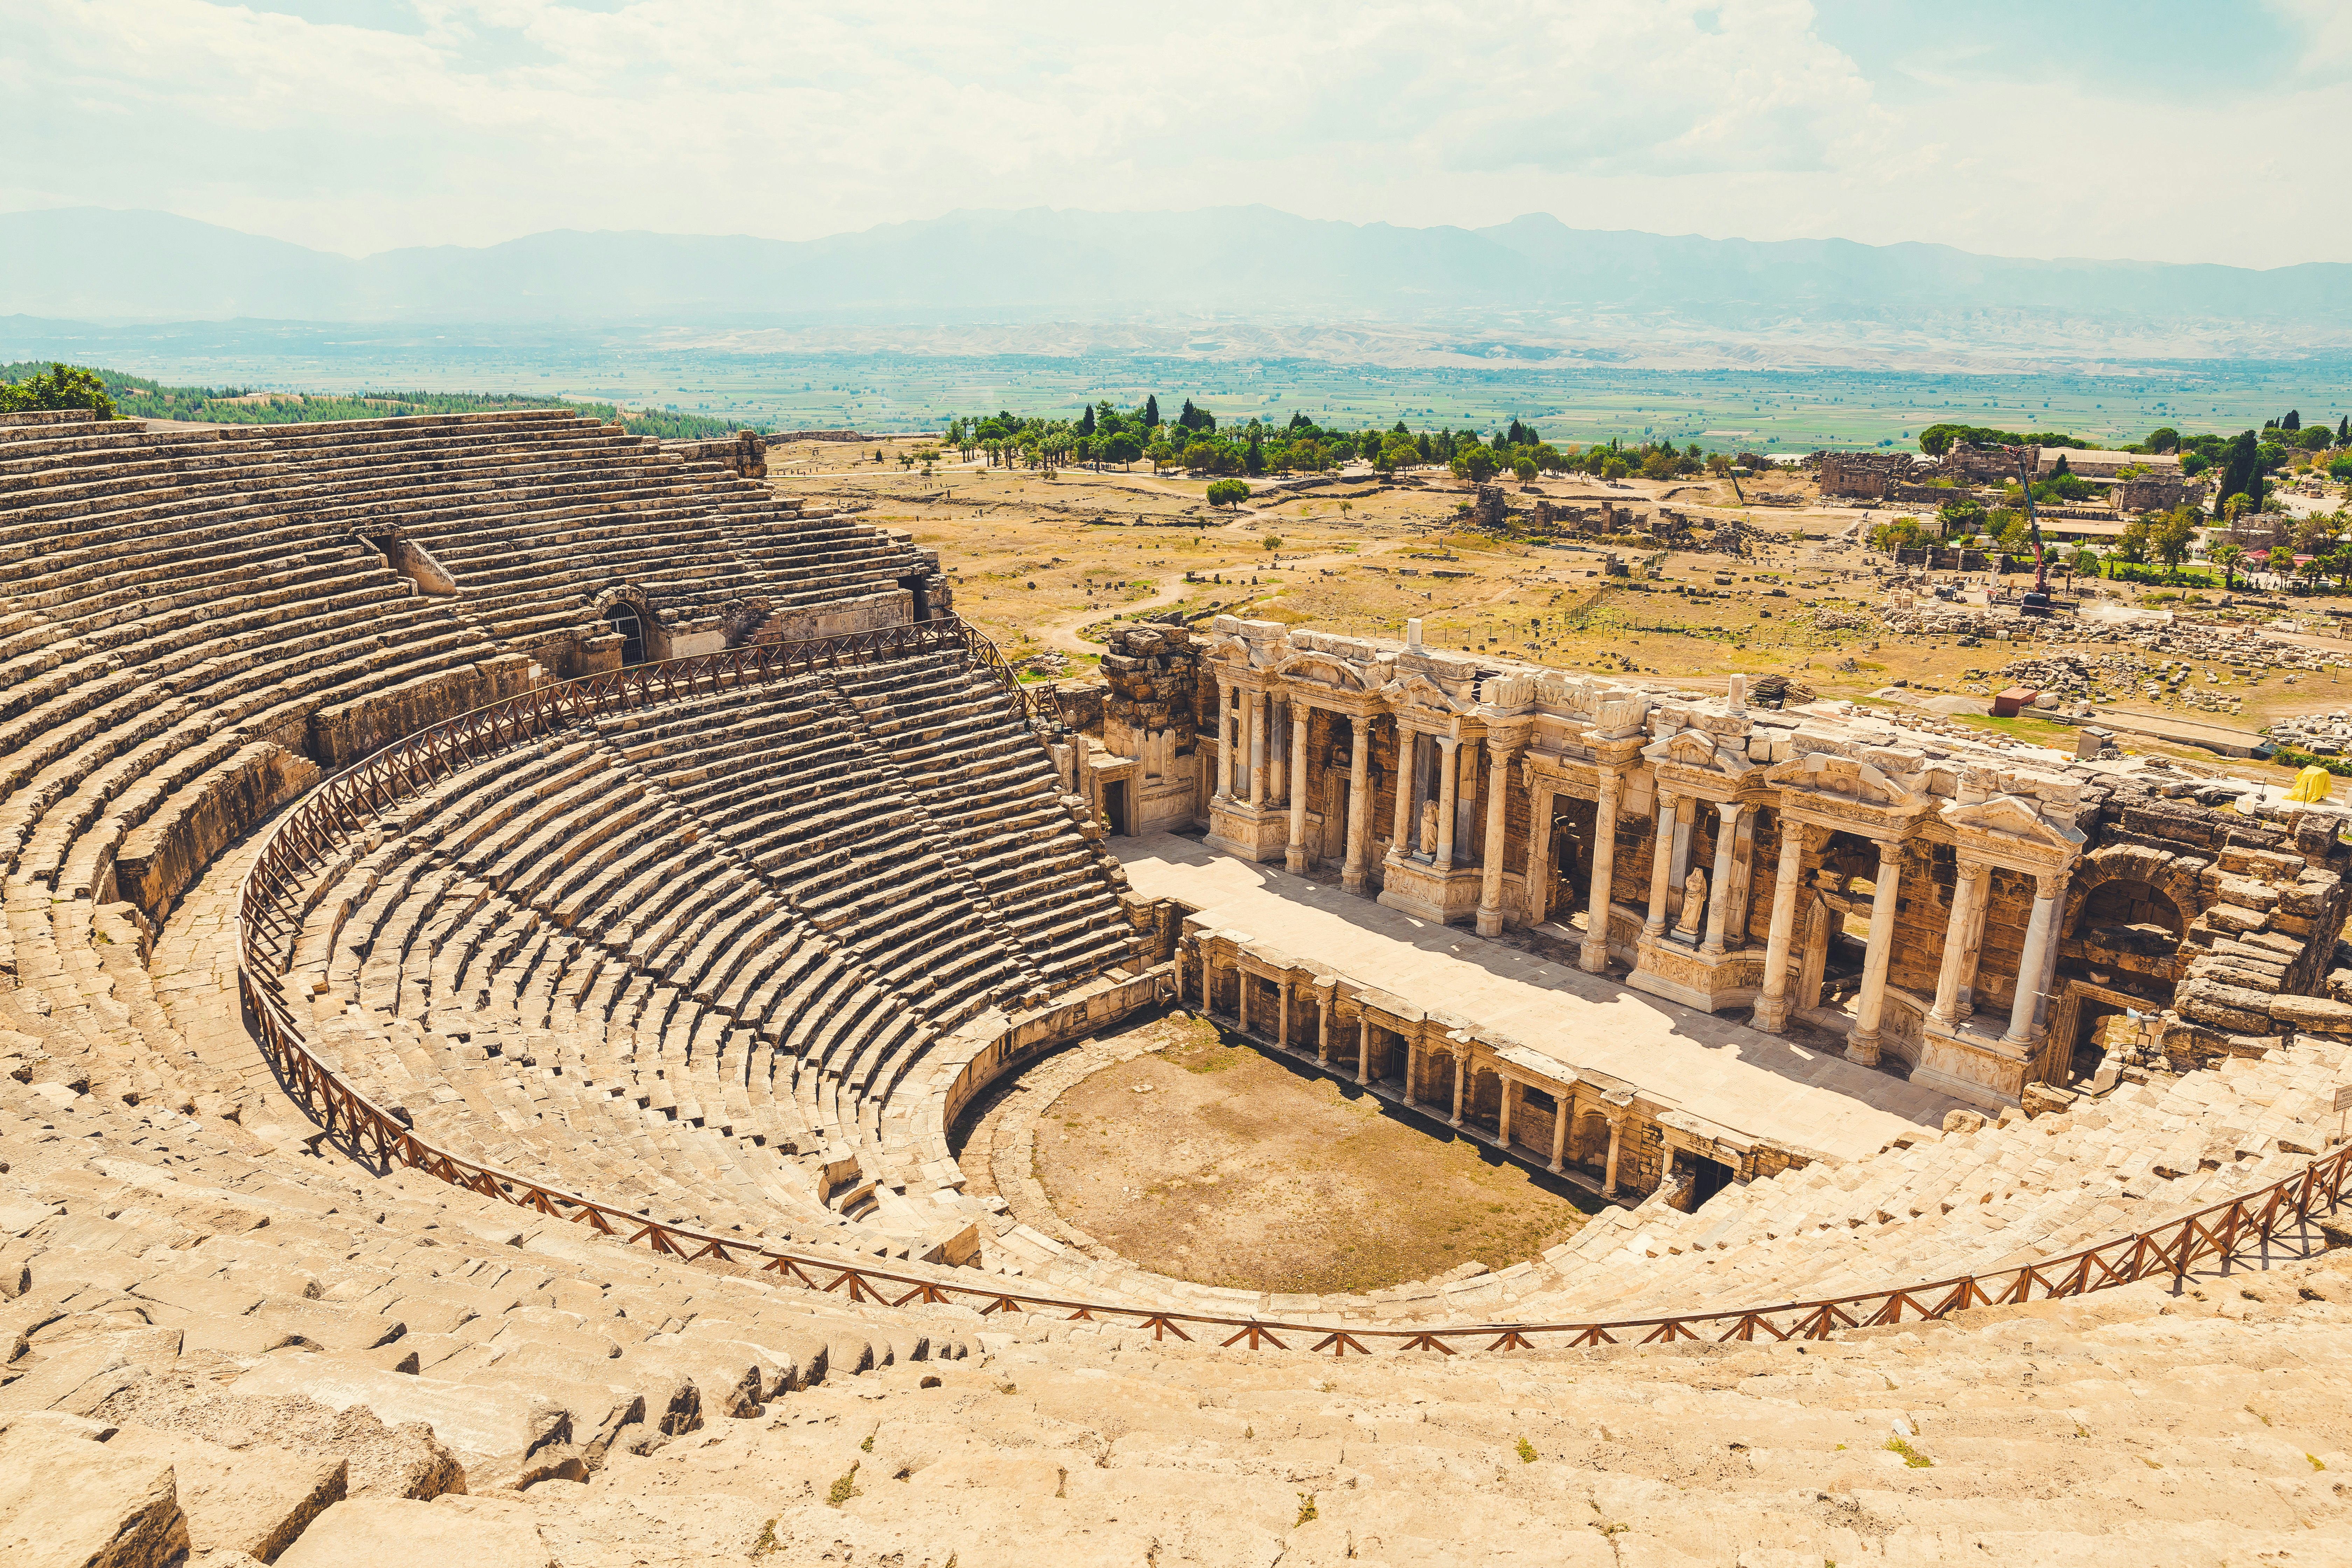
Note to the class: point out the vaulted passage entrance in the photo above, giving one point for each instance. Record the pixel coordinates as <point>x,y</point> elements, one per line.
<point>622,618</point>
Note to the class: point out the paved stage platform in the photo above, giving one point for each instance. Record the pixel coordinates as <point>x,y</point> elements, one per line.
<point>1754,1083</point>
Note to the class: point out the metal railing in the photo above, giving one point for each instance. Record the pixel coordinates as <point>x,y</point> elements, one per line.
<point>2243,1230</point>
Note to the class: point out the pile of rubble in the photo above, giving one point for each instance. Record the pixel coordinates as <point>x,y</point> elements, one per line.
<point>2183,639</point>
<point>2074,675</point>
<point>2323,734</point>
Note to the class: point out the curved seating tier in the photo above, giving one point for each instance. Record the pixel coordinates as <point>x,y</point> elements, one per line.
<point>536,513</point>
<point>214,1308</point>
<point>683,957</point>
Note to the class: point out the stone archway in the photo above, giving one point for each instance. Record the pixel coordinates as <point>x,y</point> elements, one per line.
<point>2172,880</point>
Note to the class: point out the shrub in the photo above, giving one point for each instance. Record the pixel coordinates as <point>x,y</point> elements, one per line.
<point>62,386</point>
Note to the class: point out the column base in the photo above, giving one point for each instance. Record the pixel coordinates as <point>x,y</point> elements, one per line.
<point>1429,892</point>
<point>1594,958</point>
<point>1713,983</point>
<point>1771,1015</point>
<point>1249,832</point>
<point>1861,1048</point>
<point>1352,882</point>
<point>1294,858</point>
<point>1490,922</point>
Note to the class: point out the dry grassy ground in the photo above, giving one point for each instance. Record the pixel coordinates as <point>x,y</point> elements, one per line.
<point>1045,564</point>
<point>1211,1162</point>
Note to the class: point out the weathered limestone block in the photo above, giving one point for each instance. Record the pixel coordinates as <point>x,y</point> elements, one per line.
<point>255,1500</point>
<point>70,1502</point>
<point>2314,1012</point>
<point>2223,1006</point>
<point>387,1532</point>
<point>164,854</point>
<point>342,733</point>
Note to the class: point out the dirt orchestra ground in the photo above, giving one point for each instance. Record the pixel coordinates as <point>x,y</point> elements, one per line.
<point>1209,1161</point>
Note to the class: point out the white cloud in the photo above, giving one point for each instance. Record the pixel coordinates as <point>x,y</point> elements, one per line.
<point>476,121</point>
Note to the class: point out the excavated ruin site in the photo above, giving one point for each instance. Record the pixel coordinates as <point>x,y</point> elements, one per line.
<point>555,1001</point>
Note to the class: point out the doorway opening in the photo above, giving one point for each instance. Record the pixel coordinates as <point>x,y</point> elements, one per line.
<point>1708,1177</point>
<point>622,618</point>
<point>1114,808</point>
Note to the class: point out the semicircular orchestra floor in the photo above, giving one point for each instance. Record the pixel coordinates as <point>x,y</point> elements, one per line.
<point>1208,1161</point>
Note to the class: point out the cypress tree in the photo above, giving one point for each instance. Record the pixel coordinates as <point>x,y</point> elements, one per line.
<point>1086,420</point>
<point>1151,411</point>
<point>2293,420</point>
<point>2237,470</point>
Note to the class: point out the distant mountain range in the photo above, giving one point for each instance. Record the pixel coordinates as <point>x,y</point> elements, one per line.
<point>1532,280</point>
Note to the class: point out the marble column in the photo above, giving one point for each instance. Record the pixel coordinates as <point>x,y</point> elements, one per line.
<point>1178,971</point>
<point>1861,1045</point>
<point>1282,1015</point>
<point>1240,996</point>
<point>1293,771</point>
<point>1363,1049</point>
<point>1360,806</point>
<point>1718,888</point>
<point>1561,1111</point>
<point>1594,956</point>
<point>1538,885</point>
<point>1224,743</point>
<point>1403,831</point>
<point>1503,1116</point>
<point>1972,951</point>
<point>1256,704</point>
<point>1461,1080</point>
<point>1967,889</point>
<point>2047,891</point>
<point>1608,1177</point>
<point>1490,887</point>
<point>1773,1006</point>
<point>1323,1029</point>
<point>1446,771</point>
<point>1661,865</point>
<point>1411,1071</point>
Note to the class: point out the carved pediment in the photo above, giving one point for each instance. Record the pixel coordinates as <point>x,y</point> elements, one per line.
<point>1228,650</point>
<point>1698,749</point>
<point>1843,781</point>
<point>1323,669</point>
<point>2009,817</point>
<point>1420,691</point>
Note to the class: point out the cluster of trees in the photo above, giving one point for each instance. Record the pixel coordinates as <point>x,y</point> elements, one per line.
<point>1937,439</point>
<point>1104,434</point>
<point>119,394</point>
<point>27,388</point>
<point>1192,440</point>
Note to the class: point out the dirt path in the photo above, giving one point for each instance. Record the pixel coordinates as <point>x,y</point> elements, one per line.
<point>1062,631</point>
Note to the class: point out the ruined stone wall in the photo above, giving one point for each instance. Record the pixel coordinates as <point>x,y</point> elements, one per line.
<point>1865,475</point>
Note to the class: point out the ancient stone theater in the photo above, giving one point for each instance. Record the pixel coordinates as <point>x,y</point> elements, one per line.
<point>508,921</point>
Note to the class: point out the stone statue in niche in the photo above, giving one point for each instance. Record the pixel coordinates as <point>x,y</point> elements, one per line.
<point>1429,828</point>
<point>1694,905</point>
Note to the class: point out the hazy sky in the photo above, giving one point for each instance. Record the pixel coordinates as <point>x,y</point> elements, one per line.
<point>2157,129</point>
